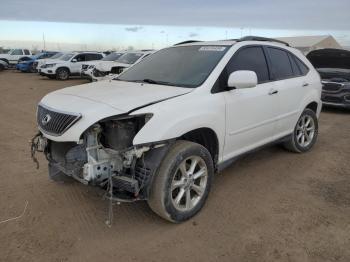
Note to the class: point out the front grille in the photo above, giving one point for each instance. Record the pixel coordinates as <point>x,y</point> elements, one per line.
<point>332,86</point>
<point>54,122</point>
<point>332,99</point>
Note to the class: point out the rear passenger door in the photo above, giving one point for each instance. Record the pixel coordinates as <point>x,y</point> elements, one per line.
<point>250,113</point>
<point>289,82</point>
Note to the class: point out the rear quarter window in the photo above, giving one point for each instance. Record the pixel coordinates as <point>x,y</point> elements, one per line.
<point>303,68</point>
<point>280,63</point>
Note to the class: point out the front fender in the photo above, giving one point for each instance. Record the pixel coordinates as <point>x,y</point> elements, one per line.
<point>176,117</point>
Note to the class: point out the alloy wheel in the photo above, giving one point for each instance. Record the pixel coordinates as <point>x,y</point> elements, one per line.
<point>305,130</point>
<point>189,183</point>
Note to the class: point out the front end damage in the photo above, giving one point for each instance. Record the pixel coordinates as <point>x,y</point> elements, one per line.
<point>106,157</point>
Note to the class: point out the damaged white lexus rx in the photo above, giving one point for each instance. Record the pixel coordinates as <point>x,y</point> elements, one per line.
<point>162,129</point>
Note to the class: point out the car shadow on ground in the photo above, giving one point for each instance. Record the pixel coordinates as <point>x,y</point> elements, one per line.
<point>335,110</point>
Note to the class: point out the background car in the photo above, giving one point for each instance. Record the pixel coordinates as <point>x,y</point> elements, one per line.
<point>87,68</point>
<point>3,65</point>
<point>68,65</point>
<point>28,65</point>
<point>104,68</point>
<point>333,65</point>
<point>16,55</point>
<point>38,63</point>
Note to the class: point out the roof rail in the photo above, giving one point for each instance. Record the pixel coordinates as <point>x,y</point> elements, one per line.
<point>258,38</point>
<point>187,42</point>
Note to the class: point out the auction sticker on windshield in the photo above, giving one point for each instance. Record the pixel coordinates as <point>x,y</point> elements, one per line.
<point>212,48</point>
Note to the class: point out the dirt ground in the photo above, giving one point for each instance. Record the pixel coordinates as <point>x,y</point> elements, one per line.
<point>269,206</point>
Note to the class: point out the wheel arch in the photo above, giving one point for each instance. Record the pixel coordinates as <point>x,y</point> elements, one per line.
<point>5,60</point>
<point>206,137</point>
<point>313,106</point>
<point>65,67</point>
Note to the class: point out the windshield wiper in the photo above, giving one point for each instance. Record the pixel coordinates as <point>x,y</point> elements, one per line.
<point>155,82</point>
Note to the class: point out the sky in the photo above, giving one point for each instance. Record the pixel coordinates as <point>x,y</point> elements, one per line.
<point>140,24</point>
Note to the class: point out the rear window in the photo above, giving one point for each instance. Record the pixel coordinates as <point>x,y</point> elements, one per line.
<point>281,65</point>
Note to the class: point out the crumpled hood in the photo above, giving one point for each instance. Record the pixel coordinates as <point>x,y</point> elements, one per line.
<point>106,66</point>
<point>99,100</point>
<point>122,96</point>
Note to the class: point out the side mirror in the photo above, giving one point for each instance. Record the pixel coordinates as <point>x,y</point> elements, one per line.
<point>242,79</point>
<point>74,60</point>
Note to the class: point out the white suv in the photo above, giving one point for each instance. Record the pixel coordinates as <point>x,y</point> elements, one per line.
<point>161,129</point>
<point>88,67</point>
<point>68,65</point>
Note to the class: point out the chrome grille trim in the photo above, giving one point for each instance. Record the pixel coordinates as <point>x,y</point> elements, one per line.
<point>60,121</point>
<point>332,87</point>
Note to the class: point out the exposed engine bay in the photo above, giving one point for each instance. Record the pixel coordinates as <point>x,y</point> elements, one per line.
<point>106,157</point>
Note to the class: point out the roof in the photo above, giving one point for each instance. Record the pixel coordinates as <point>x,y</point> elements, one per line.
<point>305,41</point>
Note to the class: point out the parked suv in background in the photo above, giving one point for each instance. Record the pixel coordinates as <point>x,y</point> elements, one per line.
<point>68,65</point>
<point>88,67</point>
<point>30,64</point>
<point>16,55</point>
<point>38,63</point>
<point>334,68</point>
<point>162,128</point>
<point>104,68</point>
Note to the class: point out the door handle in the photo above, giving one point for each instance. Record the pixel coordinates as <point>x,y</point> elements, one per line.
<point>273,92</point>
<point>305,84</point>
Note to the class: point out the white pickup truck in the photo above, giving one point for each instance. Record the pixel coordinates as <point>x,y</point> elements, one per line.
<point>16,55</point>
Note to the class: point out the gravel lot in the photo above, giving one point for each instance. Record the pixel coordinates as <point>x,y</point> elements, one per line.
<point>269,206</point>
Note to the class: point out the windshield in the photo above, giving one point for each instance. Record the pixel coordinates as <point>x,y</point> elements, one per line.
<point>112,57</point>
<point>37,55</point>
<point>185,66</point>
<point>66,57</point>
<point>58,55</point>
<point>129,58</point>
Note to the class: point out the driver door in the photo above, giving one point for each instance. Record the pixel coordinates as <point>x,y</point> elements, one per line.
<point>75,67</point>
<point>251,113</point>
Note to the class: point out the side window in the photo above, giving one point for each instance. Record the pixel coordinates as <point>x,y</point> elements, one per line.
<point>26,52</point>
<point>80,58</point>
<point>17,52</point>
<point>250,58</point>
<point>303,68</point>
<point>90,57</point>
<point>295,67</point>
<point>281,66</point>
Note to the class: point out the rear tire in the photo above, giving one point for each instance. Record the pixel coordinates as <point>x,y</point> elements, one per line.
<point>62,74</point>
<point>182,182</point>
<point>305,133</point>
<point>2,67</point>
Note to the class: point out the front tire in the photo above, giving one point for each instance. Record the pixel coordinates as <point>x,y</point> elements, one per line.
<point>182,182</point>
<point>62,74</point>
<point>305,133</point>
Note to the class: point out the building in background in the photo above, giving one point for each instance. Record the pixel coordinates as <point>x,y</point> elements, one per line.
<point>307,44</point>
